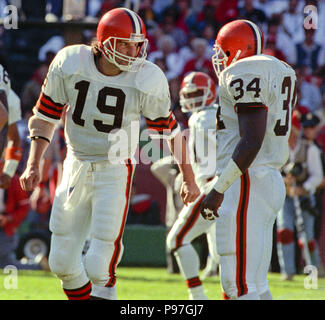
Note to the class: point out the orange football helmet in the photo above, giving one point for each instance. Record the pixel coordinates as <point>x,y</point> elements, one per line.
<point>122,24</point>
<point>198,91</point>
<point>236,40</point>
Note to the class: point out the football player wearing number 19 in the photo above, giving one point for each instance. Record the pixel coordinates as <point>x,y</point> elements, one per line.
<point>256,95</point>
<point>105,88</point>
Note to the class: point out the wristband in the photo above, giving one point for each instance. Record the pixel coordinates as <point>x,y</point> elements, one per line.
<point>13,153</point>
<point>10,167</point>
<point>229,175</point>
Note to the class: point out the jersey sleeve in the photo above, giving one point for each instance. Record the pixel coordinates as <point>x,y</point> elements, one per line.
<point>247,87</point>
<point>53,98</point>
<point>14,108</point>
<point>155,104</point>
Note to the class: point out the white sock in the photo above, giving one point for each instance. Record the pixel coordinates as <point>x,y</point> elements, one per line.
<point>250,296</point>
<point>266,295</point>
<point>188,261</point>
<point>107,293</point>
<point>197,293</point>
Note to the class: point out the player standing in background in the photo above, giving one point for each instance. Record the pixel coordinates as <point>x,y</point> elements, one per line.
<point>106,88</point>
<point>10,113</point>
<point>256,95</point>
<point>4,91</point>
<point>197,95</point>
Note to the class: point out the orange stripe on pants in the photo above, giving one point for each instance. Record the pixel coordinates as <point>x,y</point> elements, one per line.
<point>241,223</point>
<point>117,243</point>
<point>189,223</point>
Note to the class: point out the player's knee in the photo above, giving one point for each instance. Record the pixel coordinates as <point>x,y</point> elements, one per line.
<point>170,242</point>
<point>98,258</point>
<point>285,236</point>
<point>59,263</point>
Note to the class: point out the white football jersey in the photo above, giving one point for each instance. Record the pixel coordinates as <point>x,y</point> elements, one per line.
<point>4,80</point>
<point>103,112</point>
<point>14,107</point>
<point>260,80</point>
<point>203,143</point>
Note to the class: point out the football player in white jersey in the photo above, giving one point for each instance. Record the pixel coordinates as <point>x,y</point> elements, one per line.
<point>4,90</point>
<point>256,95</point>
<point>104,88</point>
<point>197,95</point>
<point>10,113</point>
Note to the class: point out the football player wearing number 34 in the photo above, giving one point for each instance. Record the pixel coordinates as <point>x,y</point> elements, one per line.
<point>256,95</point>
<point>104,88</point>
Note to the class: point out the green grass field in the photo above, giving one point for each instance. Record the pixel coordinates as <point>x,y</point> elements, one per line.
<point>146,284</point>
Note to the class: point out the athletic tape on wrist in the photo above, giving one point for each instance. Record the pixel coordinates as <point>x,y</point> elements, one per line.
<point>10,167</point>
<point>228,177</point>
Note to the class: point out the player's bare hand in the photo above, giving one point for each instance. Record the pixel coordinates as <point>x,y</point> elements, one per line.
<point>5,181</point>
<point>210,205</point>
<point>189,192</point>
<point>30,178</point>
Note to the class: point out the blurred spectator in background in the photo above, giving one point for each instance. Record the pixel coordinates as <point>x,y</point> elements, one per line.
<point>167,51</point>
<point>282,41</point>
<point>302,179</point>
<point>209,34</point>
<point>108,5</point>
<point>170,62</point>
<point>32,88</point>
<point>309,93</point>
<point>293,21</point>
<point>147,14</point>
<point>250,12</point>
<point>169,27</point>
<point>309,53</point>
<point>271,49</point>
<point>184,14</point>
<point>159,6</point>
<point>270,8</point>
<point>14,206</point>
<point>217,13</point>
<point>200,61</point>
<point>321,113</point>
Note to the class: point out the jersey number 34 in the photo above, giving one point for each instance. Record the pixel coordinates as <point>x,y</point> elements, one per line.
<point>287,104</point>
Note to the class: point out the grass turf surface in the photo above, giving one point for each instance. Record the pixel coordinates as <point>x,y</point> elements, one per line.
<point>136,283</point>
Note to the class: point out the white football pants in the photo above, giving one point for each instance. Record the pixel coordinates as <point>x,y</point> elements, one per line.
<point>244,231</point>
<point>92,198</point>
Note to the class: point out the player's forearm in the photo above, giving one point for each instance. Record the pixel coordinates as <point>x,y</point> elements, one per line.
<point>245,152</point>
<point>179,149</point>
<point>252,126</point>
<point>13,136</point>
<point>13,152</point>
<point>41,133</point>
<point>37,150</point>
